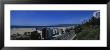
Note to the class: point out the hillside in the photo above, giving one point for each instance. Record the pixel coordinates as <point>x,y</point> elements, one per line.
<point>90,30</point>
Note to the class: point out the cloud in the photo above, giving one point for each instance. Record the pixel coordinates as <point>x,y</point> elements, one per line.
<point>96,14</point>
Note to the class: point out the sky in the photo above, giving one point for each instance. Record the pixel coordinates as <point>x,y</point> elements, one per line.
<point>48,17</point>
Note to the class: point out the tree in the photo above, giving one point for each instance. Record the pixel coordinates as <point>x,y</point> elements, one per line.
<point>77,29</point>
<point>35,35</point>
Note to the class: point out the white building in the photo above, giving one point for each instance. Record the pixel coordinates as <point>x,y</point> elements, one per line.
<point>22,30</point>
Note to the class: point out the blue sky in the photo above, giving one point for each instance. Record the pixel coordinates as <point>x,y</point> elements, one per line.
<point>48,17</point>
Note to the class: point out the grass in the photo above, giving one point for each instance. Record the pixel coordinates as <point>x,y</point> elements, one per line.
<point>88,34</point>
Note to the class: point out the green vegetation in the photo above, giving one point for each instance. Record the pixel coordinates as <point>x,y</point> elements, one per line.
<point>90,30</point>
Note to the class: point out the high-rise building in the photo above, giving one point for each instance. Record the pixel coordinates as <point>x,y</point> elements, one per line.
<point>50,33</point>
<point>44,33</point>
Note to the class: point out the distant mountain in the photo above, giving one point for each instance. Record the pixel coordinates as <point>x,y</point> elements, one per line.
<point>58,25</point>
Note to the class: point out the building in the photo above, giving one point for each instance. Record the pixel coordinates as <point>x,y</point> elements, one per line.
<point>21,30</point>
